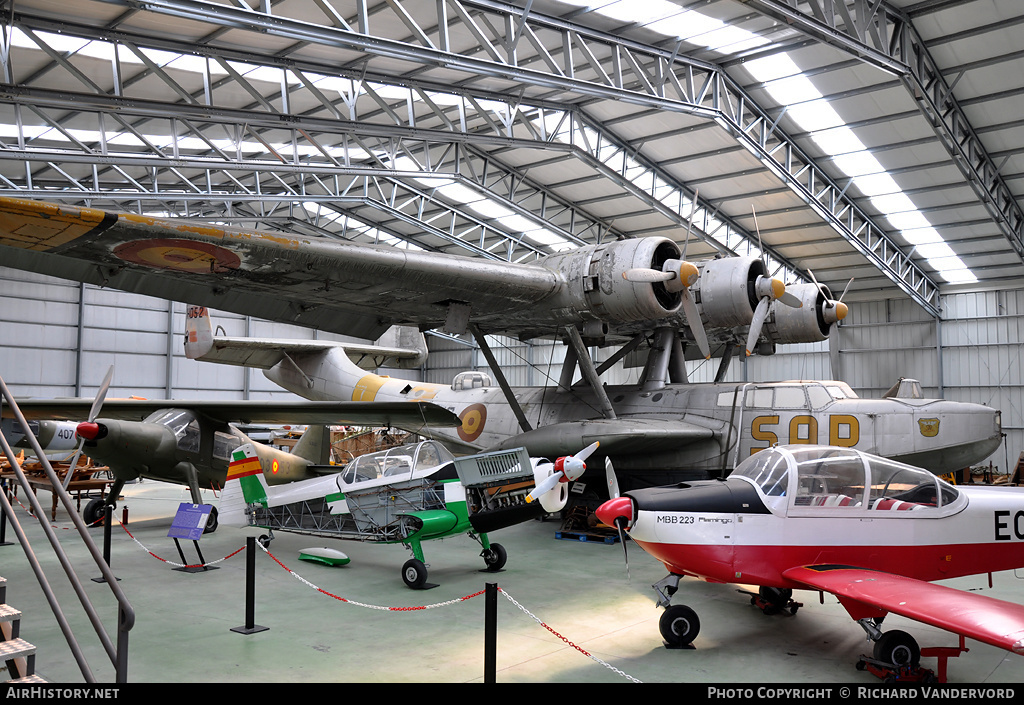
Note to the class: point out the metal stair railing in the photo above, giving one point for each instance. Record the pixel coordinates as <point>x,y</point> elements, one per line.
<point>118,653</point>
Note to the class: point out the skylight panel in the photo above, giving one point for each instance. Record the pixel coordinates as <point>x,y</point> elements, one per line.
<point>907,220</point>
<point>837,140</point>
<point>858,164</point>
<point>815,115</point>
<point>792,90</point>
<point>639,11</point>
<point>770,68</point>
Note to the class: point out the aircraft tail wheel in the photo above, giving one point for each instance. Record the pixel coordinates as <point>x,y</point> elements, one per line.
<point>898,648</point>
<point>414,573</point>
<point>679,626</point>
<point>264,540</point>
<point>495,557</point>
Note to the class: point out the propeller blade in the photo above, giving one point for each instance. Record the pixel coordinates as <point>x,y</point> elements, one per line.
<point>756,322</point>
<point>545,486</point>
<point>611,480</point>
<point>588,451</point>
<point>97,403</point>
<point>696,325</point>
<point>644,276</point>
<point>620,523</point>
<point>94,411</point>
<point>74,464</point>
<point>791,300</point>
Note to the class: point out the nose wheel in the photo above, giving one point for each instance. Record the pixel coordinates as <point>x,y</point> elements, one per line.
<point>679,627</point>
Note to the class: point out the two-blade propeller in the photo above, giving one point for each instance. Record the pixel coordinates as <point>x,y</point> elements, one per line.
<point>569,467</point>
<point>94,411</point>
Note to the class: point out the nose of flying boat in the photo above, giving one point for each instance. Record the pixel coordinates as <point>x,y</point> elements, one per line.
<point>613,509</point>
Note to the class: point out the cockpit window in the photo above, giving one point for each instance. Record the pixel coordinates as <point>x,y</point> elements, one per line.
<point>819,477</point>
<point>790,398</point>
<point>902,487</point>
<point>833,478</point>
<point>768,470</point>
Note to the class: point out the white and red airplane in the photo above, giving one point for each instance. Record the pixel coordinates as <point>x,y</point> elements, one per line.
<point>873,532</point>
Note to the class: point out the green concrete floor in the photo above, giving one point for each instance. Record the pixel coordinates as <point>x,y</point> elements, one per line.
<point>184,621</point>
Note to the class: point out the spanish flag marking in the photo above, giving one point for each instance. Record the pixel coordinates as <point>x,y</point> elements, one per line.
<point>245,467</point>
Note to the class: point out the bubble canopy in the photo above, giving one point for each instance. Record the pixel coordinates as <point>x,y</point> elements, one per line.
<point>826,477</point>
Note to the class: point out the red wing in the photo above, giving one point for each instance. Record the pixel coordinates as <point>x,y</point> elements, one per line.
<point>979,617</point>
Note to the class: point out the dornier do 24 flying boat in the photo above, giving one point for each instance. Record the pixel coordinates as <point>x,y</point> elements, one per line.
<point>408,494</point>
<point>634,294</point>
<point>873,532</point>
<point>190,442</point>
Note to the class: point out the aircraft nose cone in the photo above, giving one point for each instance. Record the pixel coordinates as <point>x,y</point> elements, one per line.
<point>88,430</point>
<point>615,508</point>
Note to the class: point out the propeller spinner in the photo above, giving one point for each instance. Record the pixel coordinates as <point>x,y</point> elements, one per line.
<point>678,276</point>
<point>567,468</point>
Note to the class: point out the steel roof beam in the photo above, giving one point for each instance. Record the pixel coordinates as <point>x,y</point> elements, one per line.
<point>885,37</point>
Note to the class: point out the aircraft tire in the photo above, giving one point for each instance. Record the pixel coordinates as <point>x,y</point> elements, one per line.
<point>495,557</point>
<point>94,512</point>
<point>898,648</point>
<point>777,598</point>
<point>211,523</point>
<point>679,625</point>
<point>414,573</point>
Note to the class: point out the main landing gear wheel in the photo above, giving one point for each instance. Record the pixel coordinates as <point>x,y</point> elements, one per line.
<point>414,573</point>
<point>94,512</point>
<point>775,600</point>
<point>897,648</point>
<point>211,522</point>
<point>495,557</point>
<point>679,626</point>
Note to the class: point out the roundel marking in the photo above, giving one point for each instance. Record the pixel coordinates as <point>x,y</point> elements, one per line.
<point>181,255</point>
<point>473,418</point>
<point>274,467</point>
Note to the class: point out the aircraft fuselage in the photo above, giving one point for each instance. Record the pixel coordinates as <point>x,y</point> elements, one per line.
<point>741,418</point>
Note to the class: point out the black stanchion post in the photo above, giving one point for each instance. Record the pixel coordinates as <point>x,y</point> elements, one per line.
<point>250,590</point>
<point>3,514</point>
<point>490,633</point>
<point>107,513</point>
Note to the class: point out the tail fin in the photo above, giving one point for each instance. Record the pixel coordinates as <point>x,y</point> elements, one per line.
<point>245,485</point>
<point>315,445</point>
<point>198,332</point>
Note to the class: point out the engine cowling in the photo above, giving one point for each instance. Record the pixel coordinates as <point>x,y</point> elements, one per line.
<point>807,324</point>
<point>726,290</point>
<point>596,284</point>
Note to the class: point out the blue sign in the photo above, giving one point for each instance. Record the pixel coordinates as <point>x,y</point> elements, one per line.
<point>190,521</point>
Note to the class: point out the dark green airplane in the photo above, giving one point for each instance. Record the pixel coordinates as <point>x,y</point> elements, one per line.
<point>190,442</point>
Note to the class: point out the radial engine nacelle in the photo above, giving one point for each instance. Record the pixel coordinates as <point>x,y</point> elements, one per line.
<point>596,284</point>
<point>810,323</point>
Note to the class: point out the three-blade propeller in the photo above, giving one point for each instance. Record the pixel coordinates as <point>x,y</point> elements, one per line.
<point>569,467</point>
<point>677,275</point>
<point>834,310</point>
<point>94,411</point>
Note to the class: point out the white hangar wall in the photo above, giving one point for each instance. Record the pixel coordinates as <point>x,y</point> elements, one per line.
<point>974,354</point>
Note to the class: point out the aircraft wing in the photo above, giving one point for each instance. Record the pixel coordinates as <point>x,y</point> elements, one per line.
<point>985,619</point>
<point>333,285</point>
<point>617,436</point>
<point>253,411</point>
<point>264,353</point>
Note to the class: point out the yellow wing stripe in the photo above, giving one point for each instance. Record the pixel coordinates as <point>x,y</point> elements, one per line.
<point>31,225</point>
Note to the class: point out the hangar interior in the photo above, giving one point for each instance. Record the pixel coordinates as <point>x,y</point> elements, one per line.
<point>872,146</point>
